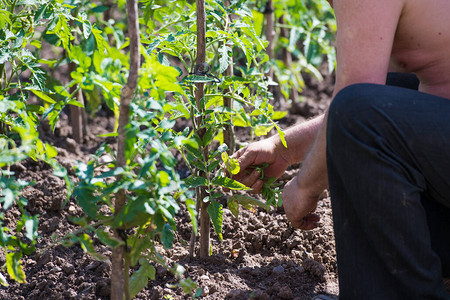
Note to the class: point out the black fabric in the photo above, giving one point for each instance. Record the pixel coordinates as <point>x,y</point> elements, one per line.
<point>388,158</point>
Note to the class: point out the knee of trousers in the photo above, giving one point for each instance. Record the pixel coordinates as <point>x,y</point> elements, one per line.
<point>355,106</point>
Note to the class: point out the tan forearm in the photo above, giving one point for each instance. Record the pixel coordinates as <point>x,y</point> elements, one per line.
<point>299,139</point>
<point>313,174</point>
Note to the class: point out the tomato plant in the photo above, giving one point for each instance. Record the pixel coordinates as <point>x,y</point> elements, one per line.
<point>212,90</point>
<point>21,79</point>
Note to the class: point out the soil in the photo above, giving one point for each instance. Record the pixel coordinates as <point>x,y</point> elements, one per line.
<point>261,256</point>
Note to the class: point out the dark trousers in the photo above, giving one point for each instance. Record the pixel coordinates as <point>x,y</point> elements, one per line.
<point>388,157</point>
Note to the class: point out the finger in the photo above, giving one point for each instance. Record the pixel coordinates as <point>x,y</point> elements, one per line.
<point>257,186</point>
<point>243,173</point>
<point>250,179</point>
<point>313,217</point>
<point>247,159</point>
<point>238,153</point>
<point>309,222</point>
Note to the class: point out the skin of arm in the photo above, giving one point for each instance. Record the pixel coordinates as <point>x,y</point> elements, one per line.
<point>365,35</point>
<point>298,138</point>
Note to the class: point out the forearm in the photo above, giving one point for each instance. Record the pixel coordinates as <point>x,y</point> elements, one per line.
<point>299,139</point>
<point>313,174</point>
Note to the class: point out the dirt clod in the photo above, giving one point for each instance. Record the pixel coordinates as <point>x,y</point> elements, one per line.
<point>261,255</point>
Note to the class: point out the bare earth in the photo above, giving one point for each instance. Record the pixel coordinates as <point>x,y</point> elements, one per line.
<point>261,257</point>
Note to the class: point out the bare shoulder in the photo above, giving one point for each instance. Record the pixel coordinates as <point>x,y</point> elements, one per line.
<point>422,44</point>
<point>365,35</point>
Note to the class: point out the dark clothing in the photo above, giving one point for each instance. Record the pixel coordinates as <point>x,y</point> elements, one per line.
<point>388,158</point>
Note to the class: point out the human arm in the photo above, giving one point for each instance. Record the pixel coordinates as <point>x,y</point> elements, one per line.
<point>298,138</point>
<point>365,34</point>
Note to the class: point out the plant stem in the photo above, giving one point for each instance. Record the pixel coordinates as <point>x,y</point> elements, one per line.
<point>126,275</point>
<point>228,132</point>
<point>127,93</point>
<point>270,33</point>
<point>199,95</point>
<point>287,59</point>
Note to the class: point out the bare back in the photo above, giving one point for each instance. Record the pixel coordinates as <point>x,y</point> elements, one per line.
<point>404,35</point>
<point>422,44</point>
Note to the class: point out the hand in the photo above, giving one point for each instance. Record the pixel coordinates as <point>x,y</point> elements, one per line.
<point>299,205</point>
<point>256,154</point>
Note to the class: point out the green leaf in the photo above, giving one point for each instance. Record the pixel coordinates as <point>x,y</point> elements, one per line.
<point>14,267</point>
<point>198,79</point>
<point>281,134</point>
<point>88,246</point>
<point>31,226</point>
<point>233,206</point>
<point>278,115</point>
<point>102,45</point>
<point>50,151</point>
<point>167,236</point>
<point>115,172</point>
<point>139,279</point>
<point>107,239</point>
<point>215,211</point>
<point>207,138</point>
<point>213,165</point>
<point>99,9</point>
<point>188,285</point>
<point>247,200</point>
<point>35,108</point>
<point>86,199</point>
<point>111,134</point>
<point>190,204</point>
<point>198,164</point>
<point>139,247</point>
<point>3,280</point>
<point>8,198</point>
<point>87,29</point>
<point>258,24</point>
<point>263,129</point>
<point>232,163</point>
<point>224,60</point>
<point>43,96</point>
<point>75,102</point>
<point>195,181</point>
<point>166,124</point>
<point>229,183</point>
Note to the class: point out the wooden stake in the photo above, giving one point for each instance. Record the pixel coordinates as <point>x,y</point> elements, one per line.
<point>127,93</point>
<point>199,94</point>
<point>228,132</point>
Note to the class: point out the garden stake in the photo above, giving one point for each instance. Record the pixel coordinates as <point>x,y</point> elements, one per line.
<point>199,95</point>
<point>127,93</point>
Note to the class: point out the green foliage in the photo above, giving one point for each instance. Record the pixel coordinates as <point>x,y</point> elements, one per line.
<point>149,179</point>
<point>230,37</point>
<point>309,27</point>
<point>79,33</point>
<point>22,77</point>
<point>139,279</point>
<point>23,240</point>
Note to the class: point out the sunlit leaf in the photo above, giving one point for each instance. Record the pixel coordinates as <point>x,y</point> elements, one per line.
<point>190,204</point>
<point>215,211</point>
<point>247,200</point>
<point>3,280</point>
<point>88,246</point>
<point>139,279</point>
<point>195,181</point>
<point>14,267</point>
<point>229,183</point>
<point>43,96</point>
